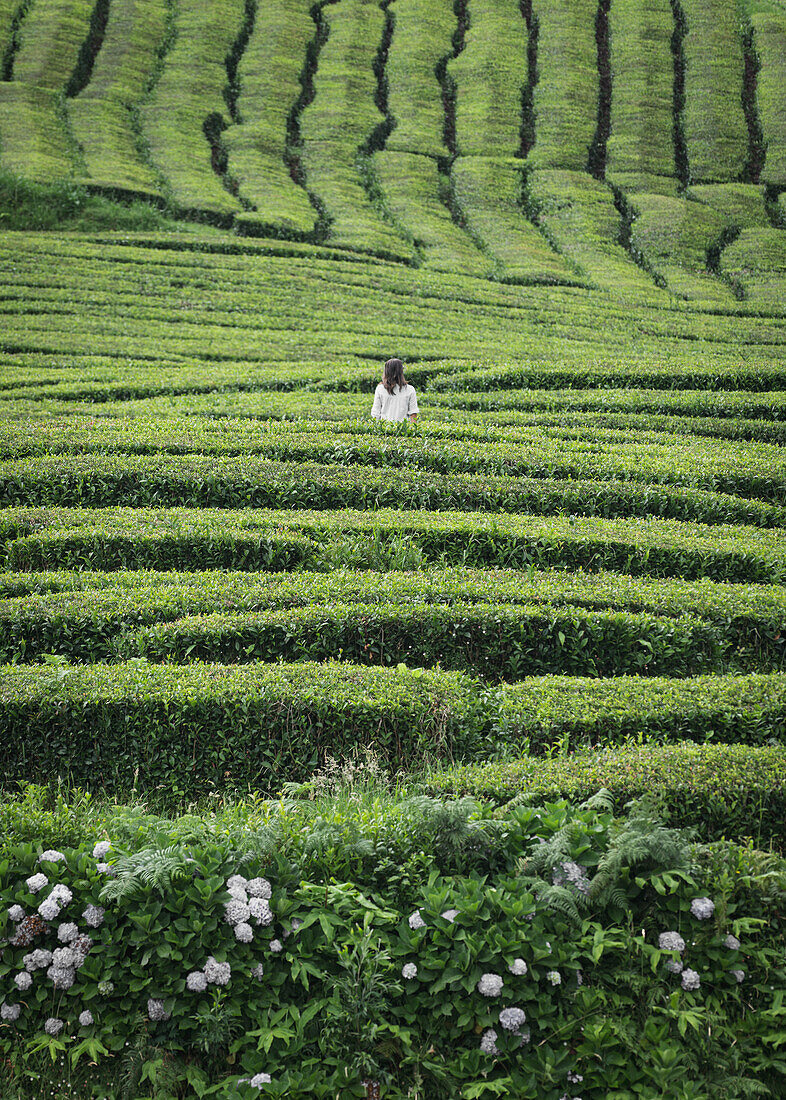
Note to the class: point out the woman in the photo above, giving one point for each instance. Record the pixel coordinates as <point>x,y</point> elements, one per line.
<point>394,398</point>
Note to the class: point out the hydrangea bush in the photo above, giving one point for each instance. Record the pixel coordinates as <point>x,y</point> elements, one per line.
<point>532,981</point>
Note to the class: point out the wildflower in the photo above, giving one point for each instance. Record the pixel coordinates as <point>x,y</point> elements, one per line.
<point>48,909</point>
<point>36,883</point>
<point>217,973</point>
<point>85,1018</point>
<point>488,1041</point>
<point>16,913</point>
<point>260,1079</point>
<point>9,1012</point>
<point>674,965</point>
<point>671,941</point>
<point>51,856</point>
<point>37,960</point>
<point>259,888</point>
<point>690,979</point>
<point>450,915</point>
<point>23,980</point>
<point>276,946</point>
<point>156,1010</point>
<point>554,977</point>
<point>101,849</point>
<point>244,933</point>
<point>518,967</point>
<point>62,977</point>
<point>258,972</point>
<point>409,971</point>
<point>739,975</point>
<point>702,908</point>
<point>53,1026</point>
<point>416,921</point>
<point>732,943</point>
<point>260,910</point>
<point>236,912</point>
<point>106,989</point>
<point>490,985</point>
<point>61,894</point>
<point>196,981</point>
<point>67,932</point>
<point>512,1018</point>
<point>94,916</point>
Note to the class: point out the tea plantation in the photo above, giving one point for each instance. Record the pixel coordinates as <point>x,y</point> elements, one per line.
<point>344,758</point>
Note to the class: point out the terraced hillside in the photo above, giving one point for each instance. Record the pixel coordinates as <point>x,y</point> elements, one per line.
<point>219,573</point>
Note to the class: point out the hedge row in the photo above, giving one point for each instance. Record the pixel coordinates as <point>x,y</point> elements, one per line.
<point>118,725</point>
<point>257,539</point>
<point>198,481</point>
<point>541,712</point>
<point>753,614</point>
<point>720,790</point>
<point>114,726</point>
<point>755,470</point>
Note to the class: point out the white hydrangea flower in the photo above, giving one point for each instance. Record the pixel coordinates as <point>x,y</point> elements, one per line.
<point>81,948</point>
<point>105,869</point>
<point>518,967</point>
<point>739,975</point>
<point>702,908</point>
<point>259,888</point>
<point>196,981</point>
<point>94,916</point>
<point>37,960</point>
<point>106,989</point>
<point>23,980</point>
<point>409,970</point>
<point>67,932</point>
<point>258,972</point>
<point>490,985</point>
<point>51,856</point>
<point>101,849</point>
<point>217,973</point>
<point>244,933</point>
<point>61,894</point>
<point>690,979</point>
<point>36,882</point>
<point>63,956</point>
<point>53,1026</point>
<point>238,893</point>
<point>416,921</point>
<point>450,915</point>
<point>16,913</point>
<point>237,880</point>
<point>296,923</point>
<point>61,977</point>
<point>674,965</point>
<point>574,1078</point>
<point>488,1041</point>
<point>276,946</point>
<point>512,1018</point>
<point>85,1018</point>
<point>9,1012</point>
<point>260,910</point>
<point>554,977</point>
<point>260,1079</point>
<point>732,943</point>
<point>156,1010</point>
<point>236,912</point>
<point>49,909</point>
<point>671,941</point>
<point>571,874</point>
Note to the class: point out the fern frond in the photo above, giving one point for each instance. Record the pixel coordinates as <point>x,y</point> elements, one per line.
<point>150,868</point>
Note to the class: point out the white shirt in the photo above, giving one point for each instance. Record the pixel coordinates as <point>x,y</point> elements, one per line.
<point>398,405</point>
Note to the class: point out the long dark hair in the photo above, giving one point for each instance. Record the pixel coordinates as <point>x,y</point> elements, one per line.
<point>393,375</point>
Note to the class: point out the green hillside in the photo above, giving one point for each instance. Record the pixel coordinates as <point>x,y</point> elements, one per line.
<point>401,671</point>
